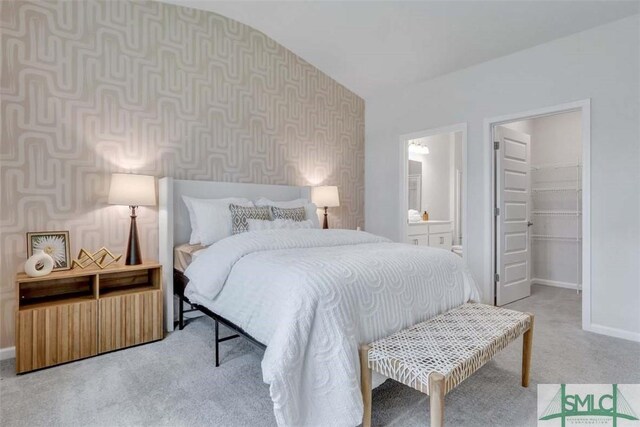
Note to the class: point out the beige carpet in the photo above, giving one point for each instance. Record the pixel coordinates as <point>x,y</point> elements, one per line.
<point>174,382</point>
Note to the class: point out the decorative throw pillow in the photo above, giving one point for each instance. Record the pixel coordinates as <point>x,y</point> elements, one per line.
<point>278,224</point>
<point>240,215</point>
<point>311,208</point>
<point>296,214</point>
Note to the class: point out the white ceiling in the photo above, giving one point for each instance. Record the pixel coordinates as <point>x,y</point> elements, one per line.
<point>369,46</point>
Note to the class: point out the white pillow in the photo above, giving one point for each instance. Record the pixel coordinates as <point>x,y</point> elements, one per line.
<point>278,224</point>
<point>211,218</point>
<point>310,208</point>
<point>195,238</point>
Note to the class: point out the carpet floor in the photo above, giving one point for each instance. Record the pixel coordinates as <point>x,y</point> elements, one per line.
<point>174,382</point>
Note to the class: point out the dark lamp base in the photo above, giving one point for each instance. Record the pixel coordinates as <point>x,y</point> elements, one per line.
<point>134,256</point>
<point>325,224</point>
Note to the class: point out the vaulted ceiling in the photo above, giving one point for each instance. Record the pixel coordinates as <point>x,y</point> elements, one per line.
<point>370,46</point>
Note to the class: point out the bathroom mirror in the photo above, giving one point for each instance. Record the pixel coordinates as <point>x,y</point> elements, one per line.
<point>415,185</point>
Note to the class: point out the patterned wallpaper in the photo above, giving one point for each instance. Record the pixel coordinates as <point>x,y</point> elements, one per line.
<point>94,87</point>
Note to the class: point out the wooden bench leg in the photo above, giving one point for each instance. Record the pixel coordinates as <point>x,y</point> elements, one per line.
<point>436,398</point>
<point>527,348</point>
<point>365,384</point>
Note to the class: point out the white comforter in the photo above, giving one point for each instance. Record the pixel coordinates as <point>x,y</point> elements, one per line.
<point>312,296</point>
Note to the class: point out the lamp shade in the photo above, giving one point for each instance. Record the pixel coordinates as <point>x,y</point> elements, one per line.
<point>325,196</point>
<point>132,190</point>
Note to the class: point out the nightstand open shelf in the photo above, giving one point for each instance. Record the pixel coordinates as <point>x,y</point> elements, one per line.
<point>41,293</point>
<point>124,282</point>
<point>70,315</point>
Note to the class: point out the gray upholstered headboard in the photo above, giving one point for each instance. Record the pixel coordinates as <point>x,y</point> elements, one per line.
<point>174,223</point>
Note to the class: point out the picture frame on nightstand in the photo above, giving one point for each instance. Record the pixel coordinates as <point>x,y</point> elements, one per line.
<point>55,244</point>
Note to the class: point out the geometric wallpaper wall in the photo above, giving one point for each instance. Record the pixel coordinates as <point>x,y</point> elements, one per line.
<point>95,87</point>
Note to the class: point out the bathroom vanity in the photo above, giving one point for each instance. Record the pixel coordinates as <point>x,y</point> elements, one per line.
<point>433,233</point>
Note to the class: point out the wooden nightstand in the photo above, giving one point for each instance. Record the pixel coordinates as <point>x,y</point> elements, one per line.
<point>70,315</point>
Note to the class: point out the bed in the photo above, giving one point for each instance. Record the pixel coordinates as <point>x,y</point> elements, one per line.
<point>308,297</point>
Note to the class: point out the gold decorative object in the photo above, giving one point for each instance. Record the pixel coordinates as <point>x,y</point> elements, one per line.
<point>86,258</point>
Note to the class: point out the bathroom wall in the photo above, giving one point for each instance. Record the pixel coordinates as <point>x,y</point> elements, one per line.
<point>436,168</point>
<point>456,193</point>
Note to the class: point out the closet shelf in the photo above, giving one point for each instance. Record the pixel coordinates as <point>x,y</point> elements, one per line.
<point>557,213</point>
<point>556,166</point>
<point>556,197</point>
<point>555,189</point>
<point>552,237</point>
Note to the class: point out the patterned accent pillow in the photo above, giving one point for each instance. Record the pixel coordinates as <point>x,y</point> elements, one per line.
<point>296,214</point>
<point>240,215</point>
<point>278,224</point>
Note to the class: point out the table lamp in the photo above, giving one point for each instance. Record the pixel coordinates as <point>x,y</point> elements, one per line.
<point>325,196</point>
<point>133,191</point>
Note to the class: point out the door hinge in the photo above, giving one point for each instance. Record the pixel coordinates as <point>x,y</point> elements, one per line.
<point>496,211</point>
<point>497,277</point>
<point>496,145</point>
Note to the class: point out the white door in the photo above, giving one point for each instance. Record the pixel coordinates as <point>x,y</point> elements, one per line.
<point>513,257</point>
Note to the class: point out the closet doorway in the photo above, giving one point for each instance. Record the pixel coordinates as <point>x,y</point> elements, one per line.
<point>540,199</point>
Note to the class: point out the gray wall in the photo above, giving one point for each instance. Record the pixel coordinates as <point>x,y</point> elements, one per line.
<point>601,64</point>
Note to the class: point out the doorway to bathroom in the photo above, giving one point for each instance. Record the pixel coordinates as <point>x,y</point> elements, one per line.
<point>432,196</point>
<point>540,195</point>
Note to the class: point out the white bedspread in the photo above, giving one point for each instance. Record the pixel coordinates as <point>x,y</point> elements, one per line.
<point>312,296</point>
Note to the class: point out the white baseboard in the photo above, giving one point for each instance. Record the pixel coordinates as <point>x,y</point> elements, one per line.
<point>595,328</point>
<point>556,283</point>
<point>614,332</point>
<point>7,353</point>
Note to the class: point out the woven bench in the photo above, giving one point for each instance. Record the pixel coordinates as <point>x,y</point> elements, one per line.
<point>435,356</point>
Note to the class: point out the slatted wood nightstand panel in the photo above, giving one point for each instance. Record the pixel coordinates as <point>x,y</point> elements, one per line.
<point>73,314</point>
<point>55,334</point>
<point>130,319</point>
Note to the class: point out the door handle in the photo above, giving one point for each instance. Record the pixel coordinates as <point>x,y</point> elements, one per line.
<point>442,240</point>
<point>415,241</point>
<point>529,224</point>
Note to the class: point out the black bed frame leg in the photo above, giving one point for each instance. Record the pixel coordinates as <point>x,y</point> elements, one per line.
<point>217,341</point>
<point>181,314</point>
